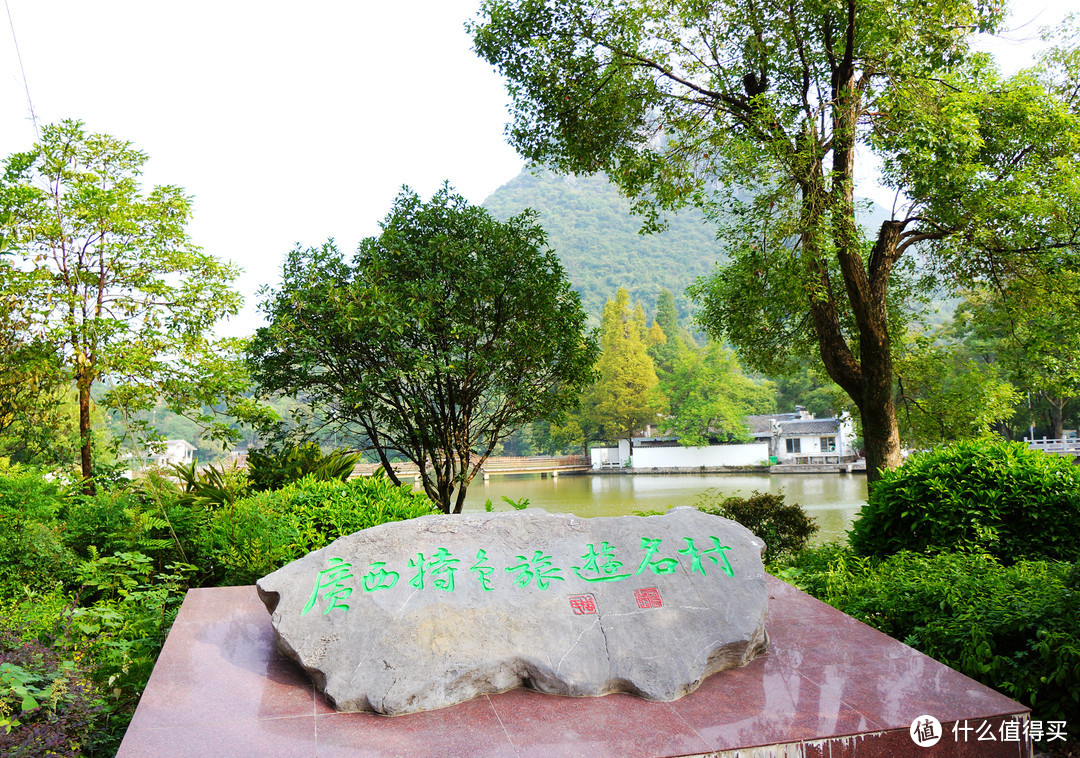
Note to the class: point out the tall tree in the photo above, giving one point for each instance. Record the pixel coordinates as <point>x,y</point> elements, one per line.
<point>946,395</point>
<point>109,279</point>
<point>665,354</point>
<point>710,396</point>
<point>674,99</point>
<point>439,338</point>
<point>626,396</point>
<point>1031,333</point>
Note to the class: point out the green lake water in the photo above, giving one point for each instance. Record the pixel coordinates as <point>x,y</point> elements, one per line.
<point>833,500</point>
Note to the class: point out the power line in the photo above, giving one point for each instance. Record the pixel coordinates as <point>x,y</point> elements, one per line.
<point>26,85</point>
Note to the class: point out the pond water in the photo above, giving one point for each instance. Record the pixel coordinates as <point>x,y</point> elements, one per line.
<point>833,500</point>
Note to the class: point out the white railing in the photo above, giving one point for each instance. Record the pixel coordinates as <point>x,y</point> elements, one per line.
<point>1067,446</point>
<point>812,458</point>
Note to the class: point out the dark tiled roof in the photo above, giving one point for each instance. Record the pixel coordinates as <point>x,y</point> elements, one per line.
<point>761,423</point>
<point>760,427</point>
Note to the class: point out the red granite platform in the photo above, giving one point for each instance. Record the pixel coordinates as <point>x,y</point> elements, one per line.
<point>830,686</point>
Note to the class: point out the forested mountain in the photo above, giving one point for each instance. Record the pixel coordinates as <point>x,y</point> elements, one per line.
<point>590,226</point>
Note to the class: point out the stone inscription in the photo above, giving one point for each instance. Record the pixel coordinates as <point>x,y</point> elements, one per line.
<point>421,614</point>
<point>599,565</point>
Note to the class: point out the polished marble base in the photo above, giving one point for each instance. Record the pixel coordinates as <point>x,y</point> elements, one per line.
<point>829,686</point>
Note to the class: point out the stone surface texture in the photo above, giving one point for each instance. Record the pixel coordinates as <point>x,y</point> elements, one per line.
<point>422,614</point>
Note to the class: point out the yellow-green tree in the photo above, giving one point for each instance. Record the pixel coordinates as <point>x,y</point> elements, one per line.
<point>666,353</point>
<point>626,397</point>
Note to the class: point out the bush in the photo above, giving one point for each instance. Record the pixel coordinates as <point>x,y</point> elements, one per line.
<point>1014,628</point>
<point>992,496</point>
<point>72,671</point>
<point>273,469</point>
<point>133,608</point>
<point>257,535</point>
<point>150,519</point>
<point>786,529</point>
<point>32,552</point>
<point>212,487</point>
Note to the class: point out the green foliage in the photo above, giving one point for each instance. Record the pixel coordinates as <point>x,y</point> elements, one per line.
<point>807,384</point>
<point>273,469</point>
<point>132,611</point>
<point>992,496</point>
<point>32,384</point>
<point>710,396</point>
<point>109,280</point>
<point>626,396</point>
<point>1023,331</point>
<point>592,229</point>
<point>32,552</point>
<point>211,487</point>
<point>785,527</point>
<point>1014,628</point>
<point>945,396</point>
<point>441,336</point>
<point>667,341</point>
<point>106,642</point>
<point>252,537</point>
<point>115,522</point>
<point>518,505</point>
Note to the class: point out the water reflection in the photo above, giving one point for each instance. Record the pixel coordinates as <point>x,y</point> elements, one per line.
<point>832,499</point>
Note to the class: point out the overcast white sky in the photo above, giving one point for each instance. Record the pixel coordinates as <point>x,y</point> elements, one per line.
<point>287,122</point>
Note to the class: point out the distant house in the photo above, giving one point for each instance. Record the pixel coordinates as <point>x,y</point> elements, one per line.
<point>180,452</point>
<point>794,437</point>
<point>665,453</point>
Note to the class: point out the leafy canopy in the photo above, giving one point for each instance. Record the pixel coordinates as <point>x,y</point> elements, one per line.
<point>711,397</point>
<point>761,109</point>
<point>441,336</point>
<point>107,279</point>
<point>626,396</point>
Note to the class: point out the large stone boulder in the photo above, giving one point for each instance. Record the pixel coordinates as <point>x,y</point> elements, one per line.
<point>421,614</point>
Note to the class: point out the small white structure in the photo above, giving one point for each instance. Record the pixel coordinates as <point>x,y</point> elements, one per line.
<point>666,453</point>
<point>611,457</point>
<point>180,452</point>
<point>800,438</point>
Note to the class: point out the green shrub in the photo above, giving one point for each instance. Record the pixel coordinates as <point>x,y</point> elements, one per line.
<point>127,609</point>
<point>84,665</point>
<point>993,496</point>
<point>254,536</point>
<point>32,552</point>
<point>785,528</point>
<point>1014,628</point>
<point>187,518</point>
<point>273,469</point>
<point>141,519</point>
<point>211,487</point>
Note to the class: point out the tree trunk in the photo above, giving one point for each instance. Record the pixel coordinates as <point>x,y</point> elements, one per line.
<point>881,438</point>
<point>1056,415</point>
<point>85,455</point>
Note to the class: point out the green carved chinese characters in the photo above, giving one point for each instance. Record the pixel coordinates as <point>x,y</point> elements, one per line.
<point>599,563</point>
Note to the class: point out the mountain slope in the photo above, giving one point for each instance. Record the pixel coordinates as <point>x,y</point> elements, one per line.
<point>590,227</point>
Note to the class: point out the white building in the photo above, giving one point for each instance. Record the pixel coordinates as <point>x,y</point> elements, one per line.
<point>788,437</point>
<point>796,437</point>
<point>180,452</point>
<point>666,453</point>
